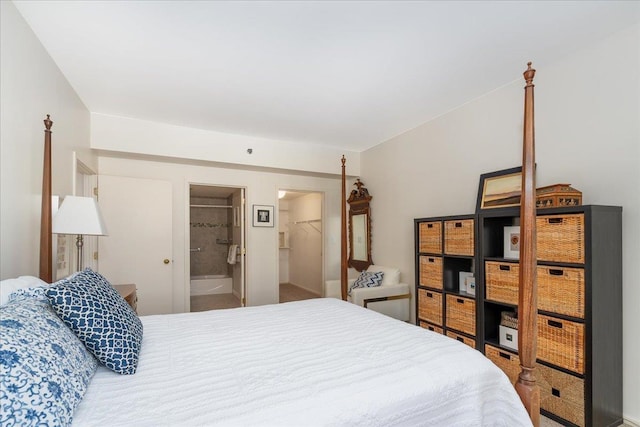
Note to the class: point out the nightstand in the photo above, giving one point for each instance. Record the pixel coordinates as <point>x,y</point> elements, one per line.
<point>129,294</point>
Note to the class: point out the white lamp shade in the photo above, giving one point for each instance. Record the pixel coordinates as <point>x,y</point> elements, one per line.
<point>79,215</point>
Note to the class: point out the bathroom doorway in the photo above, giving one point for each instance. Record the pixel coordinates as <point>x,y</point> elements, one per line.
<point>301,247</point>
<point>216,247</point>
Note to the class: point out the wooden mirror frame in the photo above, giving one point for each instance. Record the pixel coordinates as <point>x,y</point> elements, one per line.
<point>358,205</point>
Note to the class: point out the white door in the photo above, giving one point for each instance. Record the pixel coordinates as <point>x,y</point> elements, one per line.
<point>138,248</point>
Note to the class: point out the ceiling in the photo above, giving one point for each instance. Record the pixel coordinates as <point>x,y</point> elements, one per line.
<point>348,74</point>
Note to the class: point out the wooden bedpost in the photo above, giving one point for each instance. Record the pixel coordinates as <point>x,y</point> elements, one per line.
<point>46,236</point>
<point>526,385</point>
<point>343,235</point>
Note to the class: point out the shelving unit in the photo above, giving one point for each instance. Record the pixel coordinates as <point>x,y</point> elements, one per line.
<point>579,274</point>
<point>445,247</point>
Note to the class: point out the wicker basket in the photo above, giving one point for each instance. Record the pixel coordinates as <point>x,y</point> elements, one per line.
<point>502,281</point>
<point>431,271</point>
<point>430,237</point>
<point>431,327</point>
<point>561,290</point>
<point>465,340</point>
<point>461,314</point>
<point>458,237</point>
<point>560,238</point>
<point>430,304</point>
<point>508,362</point>
<point>561,342</point>
<point>561,394</point>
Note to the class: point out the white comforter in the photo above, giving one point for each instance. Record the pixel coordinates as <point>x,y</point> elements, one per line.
<point>320,362</point>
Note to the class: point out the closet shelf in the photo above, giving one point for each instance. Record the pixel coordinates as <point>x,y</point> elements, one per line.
<point>310,222</point>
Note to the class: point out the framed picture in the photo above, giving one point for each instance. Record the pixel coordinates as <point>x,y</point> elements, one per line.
<point>512,242</point>
<point>262,216</point>
<point>500,189</point>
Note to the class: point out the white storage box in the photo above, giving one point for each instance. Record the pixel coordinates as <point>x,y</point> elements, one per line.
<point>509,337</point>
<point>462,281</point>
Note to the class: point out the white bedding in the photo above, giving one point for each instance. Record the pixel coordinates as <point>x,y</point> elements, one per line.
<point>320,362</point>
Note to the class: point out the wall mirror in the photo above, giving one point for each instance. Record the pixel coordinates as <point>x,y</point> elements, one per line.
<point>359,228</point>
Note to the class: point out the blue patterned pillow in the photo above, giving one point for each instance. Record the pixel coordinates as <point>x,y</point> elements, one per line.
<point>367,279</point>
<point>36,292</point>
<point>45,368</point>
<point>100,317</point>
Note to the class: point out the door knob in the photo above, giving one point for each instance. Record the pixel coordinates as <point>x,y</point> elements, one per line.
<point>166,261</point>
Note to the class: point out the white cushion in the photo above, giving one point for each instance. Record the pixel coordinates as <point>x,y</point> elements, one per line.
<point>391,275</point>
<point>399,309</point>
<point>9,286</point>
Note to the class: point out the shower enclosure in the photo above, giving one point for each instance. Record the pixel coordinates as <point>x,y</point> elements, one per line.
<point>214,224</point>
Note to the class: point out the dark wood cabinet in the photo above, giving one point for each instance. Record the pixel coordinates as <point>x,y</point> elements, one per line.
<point>579,276</point>
<point>445,247</point>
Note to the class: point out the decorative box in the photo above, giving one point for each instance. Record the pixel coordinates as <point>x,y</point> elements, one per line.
<point>509,337</point>
<point>509,319</point>
<point>556,195</point>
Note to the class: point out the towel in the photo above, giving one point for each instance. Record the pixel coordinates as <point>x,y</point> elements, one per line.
<point>231,258</point>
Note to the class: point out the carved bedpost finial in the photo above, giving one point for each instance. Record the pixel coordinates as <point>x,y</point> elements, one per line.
<point>528,75</point>
<point>343,160</point>
<point>48,122</point>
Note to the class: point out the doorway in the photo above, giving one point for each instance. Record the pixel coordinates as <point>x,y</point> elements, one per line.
<point>300,232</point>
<point>216,247</point>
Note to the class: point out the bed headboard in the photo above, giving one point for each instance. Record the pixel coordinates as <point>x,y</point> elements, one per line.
<point>46,230</point>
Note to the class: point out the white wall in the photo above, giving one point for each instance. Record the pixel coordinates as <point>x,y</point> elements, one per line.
<point>32,86</point>
<point>587,134</point>
<point>262,243</point>
<point>305,258</point>
<point>125,135</point>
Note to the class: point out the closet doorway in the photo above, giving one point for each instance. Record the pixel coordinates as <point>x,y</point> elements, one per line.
<point>300,231</point>
<point>216,247</point>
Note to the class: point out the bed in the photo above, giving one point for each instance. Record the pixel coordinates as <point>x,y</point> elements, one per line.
<point>295,364</point>
<point>289,364</point>
<point>314,362</point>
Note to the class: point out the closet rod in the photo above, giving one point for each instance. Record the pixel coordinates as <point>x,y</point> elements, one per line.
<point>307,221</point>
<point>310,221</point>
<point>210,206</point>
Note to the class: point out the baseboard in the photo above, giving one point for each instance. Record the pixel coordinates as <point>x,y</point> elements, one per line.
<point>305,288</point>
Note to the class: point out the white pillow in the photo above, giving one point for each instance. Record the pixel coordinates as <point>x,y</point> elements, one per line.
<point>391,275</point>
<point>9,286</point>
<point>367,279</point>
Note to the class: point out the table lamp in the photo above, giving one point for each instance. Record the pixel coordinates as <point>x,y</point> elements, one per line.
<point>80,216</point>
